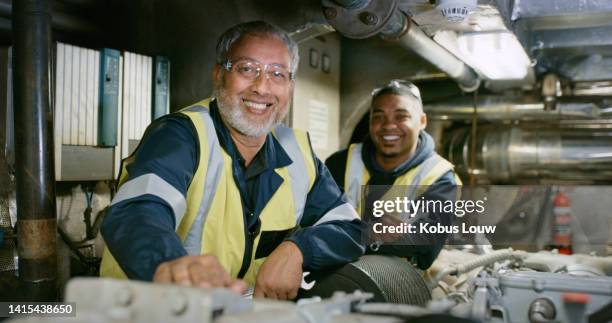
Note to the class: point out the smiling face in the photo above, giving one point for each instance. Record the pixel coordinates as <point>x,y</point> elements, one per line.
<point>253,107</point>
<point>395,124</point>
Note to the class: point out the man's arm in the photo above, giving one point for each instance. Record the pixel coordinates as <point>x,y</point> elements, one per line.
<point>330,235</point>
<point>330,231</point>
<point>139,228</point>
<point>424,248</point>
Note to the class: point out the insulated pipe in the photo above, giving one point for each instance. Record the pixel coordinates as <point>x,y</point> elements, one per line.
<point>363,18</point>
<point>506,154</point>
<point>36,221</point>
<point>410,36</point>
<point>508,108</point>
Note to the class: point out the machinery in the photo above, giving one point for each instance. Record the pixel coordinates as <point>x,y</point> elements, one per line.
<point>499,286</point>
<point>516,93</point>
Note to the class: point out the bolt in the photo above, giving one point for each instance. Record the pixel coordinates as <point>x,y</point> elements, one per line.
<point>178,304</point>
<point>330,13</point>
<point>368,18</point>
<point>124,297</point>
<point>537,285</point>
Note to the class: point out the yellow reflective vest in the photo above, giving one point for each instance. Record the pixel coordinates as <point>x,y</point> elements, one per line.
<point>416,179</point>
<point>210,219</point>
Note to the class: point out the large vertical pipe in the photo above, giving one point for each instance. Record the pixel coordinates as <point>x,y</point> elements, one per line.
<point>36,222</point>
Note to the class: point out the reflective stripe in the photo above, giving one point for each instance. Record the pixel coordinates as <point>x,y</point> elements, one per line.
<point>343,212</point>
<point>354,174</point>
<point>424,169</point>
<point>441,168</point>
<point>420,173</point>
<point>300,182</point>
<point>154,185</point>
<point>193,241</point>
<point>424,174</point>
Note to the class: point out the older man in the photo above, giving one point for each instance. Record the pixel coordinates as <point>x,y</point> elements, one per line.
<point>220,194</point>
<point>398,151</point>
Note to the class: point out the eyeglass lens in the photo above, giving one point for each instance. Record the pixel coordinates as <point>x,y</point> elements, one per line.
<point>251,70</point>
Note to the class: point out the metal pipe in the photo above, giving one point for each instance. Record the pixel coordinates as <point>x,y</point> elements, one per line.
<point>484,260</point>
<point>59,20</point>
<point>403,310</point>
<point>508,108</point>
<point>536,153</point>
<point>384,18</point>
<point>413,38</point>
<point>35,175</point>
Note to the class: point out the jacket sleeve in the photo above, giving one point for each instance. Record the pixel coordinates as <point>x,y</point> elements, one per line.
<point>330,232</point>
<point>139,228</point>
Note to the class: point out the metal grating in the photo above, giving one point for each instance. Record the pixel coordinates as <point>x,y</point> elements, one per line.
<point>8,252</point>
<point>5,218</point>
<point>8,256</point>
<point>6,186</point>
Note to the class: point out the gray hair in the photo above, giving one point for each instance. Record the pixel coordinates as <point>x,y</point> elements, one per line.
<point>232,35</point>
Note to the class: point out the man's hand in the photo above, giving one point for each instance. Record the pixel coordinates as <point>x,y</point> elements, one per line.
<point>281,274</point>
<point>197,271</point>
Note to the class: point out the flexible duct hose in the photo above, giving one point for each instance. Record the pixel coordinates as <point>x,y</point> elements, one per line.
<point>389,279</point>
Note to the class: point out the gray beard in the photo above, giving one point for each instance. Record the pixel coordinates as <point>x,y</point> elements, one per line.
<point>232,114</point>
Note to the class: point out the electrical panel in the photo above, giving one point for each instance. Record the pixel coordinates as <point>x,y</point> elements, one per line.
<point>161,87</point>
<point>76,116</point>
<point>136,116</point>
<point>109,97</point>
<point>103,102</point>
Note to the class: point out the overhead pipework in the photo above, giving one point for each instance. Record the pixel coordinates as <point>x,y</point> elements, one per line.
<point>568,151</point>
<point>366,18</point>
<point>510,108</point>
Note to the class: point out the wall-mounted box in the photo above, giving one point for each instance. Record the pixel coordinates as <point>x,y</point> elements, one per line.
<point>76,114</point>
<point>137,93</point>
<point>103,102</point>
<point>109,97</point>
<point>161,87</point>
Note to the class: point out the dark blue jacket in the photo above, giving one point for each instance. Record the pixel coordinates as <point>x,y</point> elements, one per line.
<point>424,255</point>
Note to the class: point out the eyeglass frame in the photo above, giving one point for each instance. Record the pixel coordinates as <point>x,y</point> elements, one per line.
<point>229,63</point>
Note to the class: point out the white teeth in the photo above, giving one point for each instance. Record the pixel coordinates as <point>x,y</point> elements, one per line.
<point>254,105</point>
<point>390,137</point>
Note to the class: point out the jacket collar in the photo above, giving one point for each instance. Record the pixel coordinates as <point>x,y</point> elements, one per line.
<point>425,148</point>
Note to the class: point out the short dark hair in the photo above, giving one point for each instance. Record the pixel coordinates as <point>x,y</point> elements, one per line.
<point>232,35</point>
